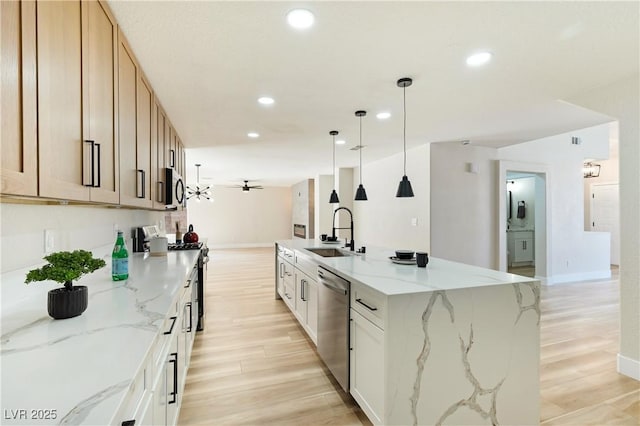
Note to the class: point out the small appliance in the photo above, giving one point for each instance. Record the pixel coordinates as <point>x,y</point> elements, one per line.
<point>174,189</point>
<point>141,237</point>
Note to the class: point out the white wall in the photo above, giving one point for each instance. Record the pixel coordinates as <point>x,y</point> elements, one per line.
<point>345,194</point>
<point>386,221</point>
<point>239,219</point>
<point>622,101</point>
<point>323,211</point>
<point>463,214</point>
<point>464,221</point>
<point>574,257</point>
<point>73,227</point>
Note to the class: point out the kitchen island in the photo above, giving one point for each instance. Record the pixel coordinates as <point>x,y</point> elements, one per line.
<point>446,344</point>
<point>123,359</point>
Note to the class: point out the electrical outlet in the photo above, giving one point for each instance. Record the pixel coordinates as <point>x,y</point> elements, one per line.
<point>49,241</point>
<point>414,221</point>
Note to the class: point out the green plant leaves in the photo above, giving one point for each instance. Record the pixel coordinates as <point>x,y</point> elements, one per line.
<point>65,266</point>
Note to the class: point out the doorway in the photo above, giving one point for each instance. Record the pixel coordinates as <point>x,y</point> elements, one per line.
<point>523,218</point>
<point>521,229</point>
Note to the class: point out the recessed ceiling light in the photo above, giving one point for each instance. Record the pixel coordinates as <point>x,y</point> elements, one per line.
<point>300,19</point>
<point>383,115</point>
<point>265,100</point>
<point>478,59</point>
<point>253,134</point>
<point>340,142</point>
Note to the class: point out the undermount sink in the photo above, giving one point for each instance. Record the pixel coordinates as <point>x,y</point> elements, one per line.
<point>329,252</point>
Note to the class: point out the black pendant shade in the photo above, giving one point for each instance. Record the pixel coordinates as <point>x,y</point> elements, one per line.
<point>361,194</point>
<point>404,188</point>
<point>333,199</point>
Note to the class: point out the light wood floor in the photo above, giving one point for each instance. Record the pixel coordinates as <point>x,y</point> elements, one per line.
<point>253,365</point>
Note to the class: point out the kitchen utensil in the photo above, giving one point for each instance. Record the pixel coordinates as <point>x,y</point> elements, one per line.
<point>422,258</point>
<point>190,236</point>
<point>403,261</point>
<point>158,246</point>
<point>404,254</point>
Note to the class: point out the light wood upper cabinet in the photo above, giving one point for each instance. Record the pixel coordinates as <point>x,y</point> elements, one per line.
<point>77,105</point>
<point>18,121</point>
<point>134,128</point>
<point>158,154</point>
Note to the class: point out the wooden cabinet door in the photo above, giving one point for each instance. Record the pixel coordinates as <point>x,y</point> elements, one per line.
<point>60,134</point>
<point>99,41</point>
<point>134,129</point>
<point>145,129</point>
<point>76,101</point>
<point>18,98</point>
<point>158,187</point>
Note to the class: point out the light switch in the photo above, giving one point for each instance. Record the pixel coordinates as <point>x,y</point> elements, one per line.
<point>414,221</point>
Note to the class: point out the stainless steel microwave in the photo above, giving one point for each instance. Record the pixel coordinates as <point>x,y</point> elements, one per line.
<point>174,189</point>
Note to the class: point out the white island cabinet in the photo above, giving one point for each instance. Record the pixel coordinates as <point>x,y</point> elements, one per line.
<point>446,344</point>
<point>123,360</point>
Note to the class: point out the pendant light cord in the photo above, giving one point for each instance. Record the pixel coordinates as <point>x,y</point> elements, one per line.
<point>360,150</point>
<point>334,161</point>
<point>404,126</point>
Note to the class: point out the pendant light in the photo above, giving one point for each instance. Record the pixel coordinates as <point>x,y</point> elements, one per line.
<point>361,194</point>
<point>334,195</point>
<point>404,188</point>
<point>198,191</point>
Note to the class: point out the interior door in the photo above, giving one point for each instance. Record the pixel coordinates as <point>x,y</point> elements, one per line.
<point>605,215</point>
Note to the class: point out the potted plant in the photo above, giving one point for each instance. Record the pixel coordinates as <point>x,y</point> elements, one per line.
<point>64,267</point>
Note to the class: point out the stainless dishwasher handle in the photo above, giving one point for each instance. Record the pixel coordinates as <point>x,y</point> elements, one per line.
<point>336,289</point>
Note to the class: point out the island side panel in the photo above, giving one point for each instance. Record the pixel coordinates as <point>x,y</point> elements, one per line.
<point>464,357</point>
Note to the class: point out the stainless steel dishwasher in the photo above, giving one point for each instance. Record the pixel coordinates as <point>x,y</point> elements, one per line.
<point>333,324</point>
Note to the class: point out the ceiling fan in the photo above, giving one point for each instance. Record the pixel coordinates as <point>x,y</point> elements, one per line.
<point>246,187</point>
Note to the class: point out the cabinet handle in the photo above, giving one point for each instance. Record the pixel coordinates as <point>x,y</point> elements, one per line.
<point>302,290</point>
<point>174,394</point>
<point>287,295</point>
<point>99,166</point>
<point>160,197</point>
<point>141,183</point>
<point>88,178</point>
<point>371,308</point>
<point>281,270</point>
<point>129,423</point>
<point>189,305</point>
<point>172,324</point>
<point>173,158</point>
<point>188,283</point>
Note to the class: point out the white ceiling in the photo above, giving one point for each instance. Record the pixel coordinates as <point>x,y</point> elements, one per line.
<point>210,61</point>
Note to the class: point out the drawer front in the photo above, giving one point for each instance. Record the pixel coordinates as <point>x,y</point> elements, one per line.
<point>289,293</point>
<point>369,303</point>
<point>305,264</point>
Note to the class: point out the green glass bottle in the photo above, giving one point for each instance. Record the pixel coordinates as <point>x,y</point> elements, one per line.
<point>120,260</point>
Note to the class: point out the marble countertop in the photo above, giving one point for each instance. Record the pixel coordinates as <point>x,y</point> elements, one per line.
<point>376,270</point>
<point>82,367</point>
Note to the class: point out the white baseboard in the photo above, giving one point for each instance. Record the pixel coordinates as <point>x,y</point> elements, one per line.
<point>580,276</point>
<point>629,367</point>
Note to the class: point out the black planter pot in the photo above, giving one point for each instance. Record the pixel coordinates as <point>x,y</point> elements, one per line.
<point>65,303</point>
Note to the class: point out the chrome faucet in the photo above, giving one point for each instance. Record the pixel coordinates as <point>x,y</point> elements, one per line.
<point>333,233</point>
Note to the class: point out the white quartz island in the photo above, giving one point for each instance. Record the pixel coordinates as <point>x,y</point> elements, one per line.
<point>86,370</point>
<point>446,344</point>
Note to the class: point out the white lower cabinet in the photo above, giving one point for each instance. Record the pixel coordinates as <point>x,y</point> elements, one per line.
<point>306,304</point>
<point>155,396</point>
<point>367,366</point>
